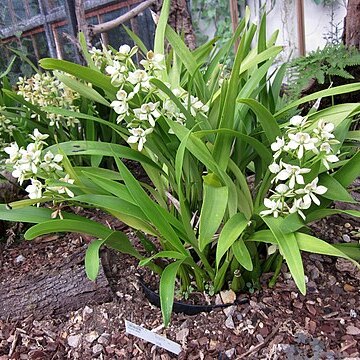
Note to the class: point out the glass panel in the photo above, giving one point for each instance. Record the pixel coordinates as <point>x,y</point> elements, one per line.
<point>19,10</point>
<point>144,27</point>
<point>5,17</point>
<point>67,48</point>
<point>41,45</point>
<point>51,4</point>
<point>117,36</point>
<point>33,7</point>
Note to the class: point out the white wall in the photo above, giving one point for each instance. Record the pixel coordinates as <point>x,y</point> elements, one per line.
<point>282,15</point>
<point>319,22</point>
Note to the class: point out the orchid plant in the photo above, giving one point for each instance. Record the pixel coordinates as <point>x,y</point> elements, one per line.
<point>200,133</point>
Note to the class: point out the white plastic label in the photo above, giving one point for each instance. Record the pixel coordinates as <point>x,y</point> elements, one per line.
<point>151,337</point>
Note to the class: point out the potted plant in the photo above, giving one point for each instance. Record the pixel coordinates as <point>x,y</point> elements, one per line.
<point>199,131</point>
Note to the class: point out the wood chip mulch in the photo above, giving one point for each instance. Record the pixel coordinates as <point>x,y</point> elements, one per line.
<point>277,323</point>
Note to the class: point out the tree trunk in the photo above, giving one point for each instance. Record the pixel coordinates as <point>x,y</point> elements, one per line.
<point>351,35</point>
<point>180,20</point>
<point>55,291</point>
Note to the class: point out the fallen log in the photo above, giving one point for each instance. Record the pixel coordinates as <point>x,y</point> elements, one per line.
<point>53,291</point>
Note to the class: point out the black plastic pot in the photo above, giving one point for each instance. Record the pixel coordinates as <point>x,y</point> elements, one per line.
<point>188,309</point>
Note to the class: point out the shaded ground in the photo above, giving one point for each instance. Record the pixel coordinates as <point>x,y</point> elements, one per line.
<point>278,323</point>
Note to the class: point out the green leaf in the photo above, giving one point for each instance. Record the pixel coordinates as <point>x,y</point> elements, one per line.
<point>312,244</point>
<point>21,100</point>
<point>215,200</point>
<point>163,254</point>
<point>83,89</point>
<point>85,51</point>
<point>81,72</point>
<point>159,42</point>
<point>64,112</point>
<point>92,259</point>
<point>150,208</point>
<point>186,57</point>
<point>101,148</point>
<point>136,40</point>
<point>8,69</point>
<point>261,149</point>
<point>266,119</point>
<point>219,280</point>
<point>30,214</point>
<point>315,245</point>
<point>231,231</point>
<point>289,249</point>
<point>242,254</point>
<point>321,213</point>
<point>335,190</point>
<point>348,172</point>
<point>167,287</point>
<point>64,225</point>
<point>343,89</point>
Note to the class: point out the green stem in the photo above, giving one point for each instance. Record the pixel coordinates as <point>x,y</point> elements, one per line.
<point>279,261</point>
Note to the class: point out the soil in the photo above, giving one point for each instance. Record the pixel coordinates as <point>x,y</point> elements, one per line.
<point>277,323</point>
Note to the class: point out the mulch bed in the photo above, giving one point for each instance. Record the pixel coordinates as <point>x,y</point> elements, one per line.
<point>277,323</point>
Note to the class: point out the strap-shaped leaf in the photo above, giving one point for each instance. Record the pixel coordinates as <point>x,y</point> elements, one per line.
<point>150,209</point>
<point>289,249</point>
<point>92,256</point>
<point>242,254</point>
<point>266,119</point>
<point>80,72</point>
<point>335,191</point>
<point>342,89</point>
<point>81,88</point>
<point>101,148</point>
<point>215,201</point>
<point>231,231</point>
<point>64,225</point>
<point>312,244</point>
<point>167,287</point>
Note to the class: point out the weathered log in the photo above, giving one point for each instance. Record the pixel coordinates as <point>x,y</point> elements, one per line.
<point>53,291</point>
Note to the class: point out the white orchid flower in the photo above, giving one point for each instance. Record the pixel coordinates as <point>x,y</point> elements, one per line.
<point>196,106</point>
<point>282,191</point>
<point>38,137</point>
<point>35,189</point>
<point>51,162</point>
<point>139,136</point>
<point>126,52</point>
<point>275,168</point>
<point>278,146</point>
<point>301,204</point>
<point>301,141</point>
<point>326,159</point>
<point>148,112</point>
<point>293,173</point>
<point>153,61</point>
<point>14,153</point>
<point>298,121</point>
<point>117,71</point>
<point>311,190</point>
<point>62,189</point>
<point>274,208</point>
<point>324,130</point>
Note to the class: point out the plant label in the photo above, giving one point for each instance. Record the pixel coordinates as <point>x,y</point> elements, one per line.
<point>151,337</point>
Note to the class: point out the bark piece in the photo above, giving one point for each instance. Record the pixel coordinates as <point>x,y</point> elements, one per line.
<point>352,24</point>
<point>56,291</point>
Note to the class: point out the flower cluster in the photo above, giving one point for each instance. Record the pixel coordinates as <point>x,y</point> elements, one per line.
<point>45,90</point>
<point>294,154</point>
<point>6,125</point>
<point>134,86</point>
<point>31,164</point>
